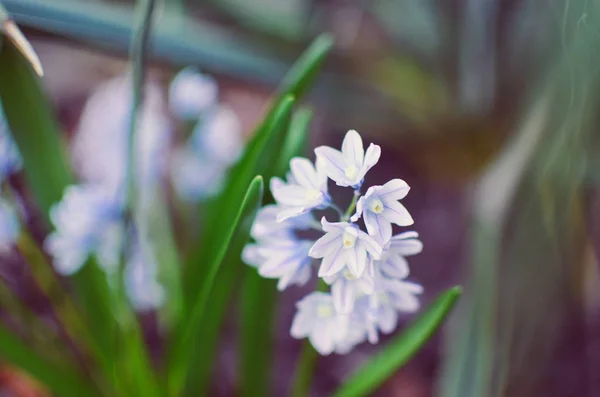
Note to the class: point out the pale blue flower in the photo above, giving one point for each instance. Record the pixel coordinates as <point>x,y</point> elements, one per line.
<point>380,208</point>
<point>192,93</point>
<point>344,246</point>
<point>87,221</point>
<point>316,319</point>
<point>305,190</point>
<point>10,157</point>
<point>346,289</point>
<point>218,136</point>
<point>278,252</point>
<point>391,297</point>
<point>393,260</point>
<point>194,176</point>
<point>141,272</point>
<point>100,146</point>
<point>349,166</point>
<point>9,225</point>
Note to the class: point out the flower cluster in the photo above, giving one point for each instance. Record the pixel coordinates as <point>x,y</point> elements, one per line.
<point>216,140</point>
<point>365,271</point>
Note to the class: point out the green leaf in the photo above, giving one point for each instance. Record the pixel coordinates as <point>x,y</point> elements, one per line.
<point>256,332</point>
<point>303,72</point>
<point>372,374</point>
<point>34,128</point>
<point>62,381</point>
<point>36,133</point>
<point>295,140</point>
<point>185,343</point>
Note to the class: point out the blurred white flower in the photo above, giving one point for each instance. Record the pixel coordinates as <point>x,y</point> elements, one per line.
<point>318,320</point>
<point>218,136</point>
<point>88,220</point>
<point>10,158</point>
<point>192,93</point>
<point>9,225</point>
<point>100,145</point>
<point>195,177</point>
<point>141,274</point>
<point>393,261</point>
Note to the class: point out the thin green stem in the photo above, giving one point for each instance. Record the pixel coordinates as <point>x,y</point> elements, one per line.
<point>352,206</point>
<point>304,371</point>
<point>307,361</point>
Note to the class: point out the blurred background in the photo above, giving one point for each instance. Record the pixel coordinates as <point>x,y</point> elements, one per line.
<point>487,108</point>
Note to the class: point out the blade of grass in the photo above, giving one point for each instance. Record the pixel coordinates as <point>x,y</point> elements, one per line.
<point>372,374</point>
<point>184,349</point>
<point>256,331</point>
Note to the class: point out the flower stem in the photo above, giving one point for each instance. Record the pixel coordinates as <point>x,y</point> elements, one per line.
<point>305,366</point>
<point>304,371</point>
<point>352,206</point>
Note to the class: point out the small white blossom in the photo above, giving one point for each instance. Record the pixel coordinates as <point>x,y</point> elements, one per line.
<point>380,208</point>
<point>194,176</point>
<point>219,136</point>
<point>278,253</point>
<point>141,272</point>
<point>393,263</point>
<point>346,289</point>
<point>192,93</point>
<point>9,225</point>
<point>349,167</point>
<point>87,221</point>
<point>391,297</point>
<point>305,190</point>
<point>344,246</point>
<point>317,319</point>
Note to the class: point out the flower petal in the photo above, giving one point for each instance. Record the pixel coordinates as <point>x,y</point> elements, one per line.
<point>332,263</point>
<point>343,296</point>
<point>396,189</point>
<point>370,244</point>
<point>406,247</point>
<point>396,213</point>
<point>359,209</point>
<point>334,164</point>
<point>395,266</point>
<point>325,245</point>
<point>353,150</point>
<point>304,173</point>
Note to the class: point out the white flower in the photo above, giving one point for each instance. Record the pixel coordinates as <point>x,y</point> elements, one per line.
<point>346,289</point>
<point>142,287</point>
<point>9,225</point>
<point>10,157</point>
<point>348,167</point>
<point>380,208</point>
<point>194,176</point>
<point>305,190</point>
<point>317,319</point>
<point>219,136</point>
<point>100,146</point>
<point>87,221</point>
<point>390,298</point>
<point>393,263</point>
<point>278,253</point>
<point>192,93</point>
<point>344,246</point>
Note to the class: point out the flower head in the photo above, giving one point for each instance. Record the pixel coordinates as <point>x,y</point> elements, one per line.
<point>305,190</point>
<point>344,246</point>
<point>349,167</point>
<point>87,221</point>
<point>393,261</point>
<point>192,93</point>
<point>318,320</point>
<point>347,288</point>
<point>277,252</point>
<point>380,208</point>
